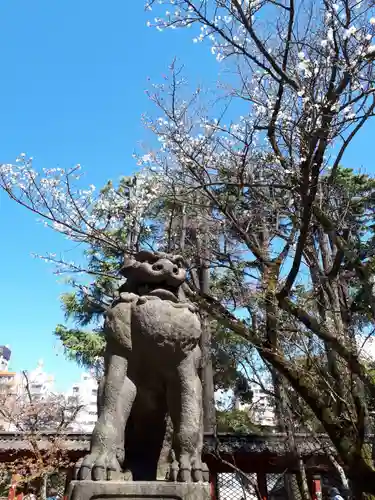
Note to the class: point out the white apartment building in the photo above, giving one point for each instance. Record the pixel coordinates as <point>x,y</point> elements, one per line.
<point>8,392</point>
<point>84,393</point>
<point>13,388</point>
<point>5,354</point>
<point>41,384</point>
<point>262,409</point>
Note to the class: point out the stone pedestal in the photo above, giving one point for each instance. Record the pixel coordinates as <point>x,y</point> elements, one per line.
<point>137,490</point>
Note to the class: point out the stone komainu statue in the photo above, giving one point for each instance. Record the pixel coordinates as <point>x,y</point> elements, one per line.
<point>151,371</point>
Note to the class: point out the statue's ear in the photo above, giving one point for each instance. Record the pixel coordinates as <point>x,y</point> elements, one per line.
<point>179,260</point>
<point>128,265</point>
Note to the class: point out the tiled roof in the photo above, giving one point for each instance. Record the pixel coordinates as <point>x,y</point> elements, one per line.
<point>250,444</point>
<point>10,441</point>
<point>273,444</point>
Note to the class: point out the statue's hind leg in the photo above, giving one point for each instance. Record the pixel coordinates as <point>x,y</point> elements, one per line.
<point>199,470</point>
<point>185,406</point>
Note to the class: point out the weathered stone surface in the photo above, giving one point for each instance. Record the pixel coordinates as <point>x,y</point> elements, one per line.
<point>118,490</point>
<point>151,372</point>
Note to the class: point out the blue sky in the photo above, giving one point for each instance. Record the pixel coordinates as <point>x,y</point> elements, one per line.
<point>74,75</point>
<point>72,90</point>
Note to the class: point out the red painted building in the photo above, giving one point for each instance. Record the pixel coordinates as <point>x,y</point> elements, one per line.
<point>259,456</point>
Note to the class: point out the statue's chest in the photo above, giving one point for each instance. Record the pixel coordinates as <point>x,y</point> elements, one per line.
<point>163,323</point>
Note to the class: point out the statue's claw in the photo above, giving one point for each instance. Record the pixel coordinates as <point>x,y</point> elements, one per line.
<point>99,467</point>
<point>197,473</point>
<point>200,472</point>
<point>77,468</point>
<point>173,471</point>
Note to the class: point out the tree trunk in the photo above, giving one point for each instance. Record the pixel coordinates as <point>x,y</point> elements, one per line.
<point>43,487</point>
<point>208,393</point>
<point>362,477</point>
<point>283,416</point>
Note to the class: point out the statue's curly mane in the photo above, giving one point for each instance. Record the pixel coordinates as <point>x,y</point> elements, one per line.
<point>148,270</point>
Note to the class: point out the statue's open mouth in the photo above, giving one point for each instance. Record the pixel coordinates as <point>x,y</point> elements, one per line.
<point>161,290</point>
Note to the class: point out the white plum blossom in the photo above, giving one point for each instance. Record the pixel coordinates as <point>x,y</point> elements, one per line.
<point>287,100</point>
<point>255,52</point>
<point>304,67</point>
<point>244,166</point>
<point>82,215</point>
<point>349,32</point>
<point>330,34</point>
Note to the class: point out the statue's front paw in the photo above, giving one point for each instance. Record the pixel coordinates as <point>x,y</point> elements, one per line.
<point>184,473</point>
<point>102,466</point>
